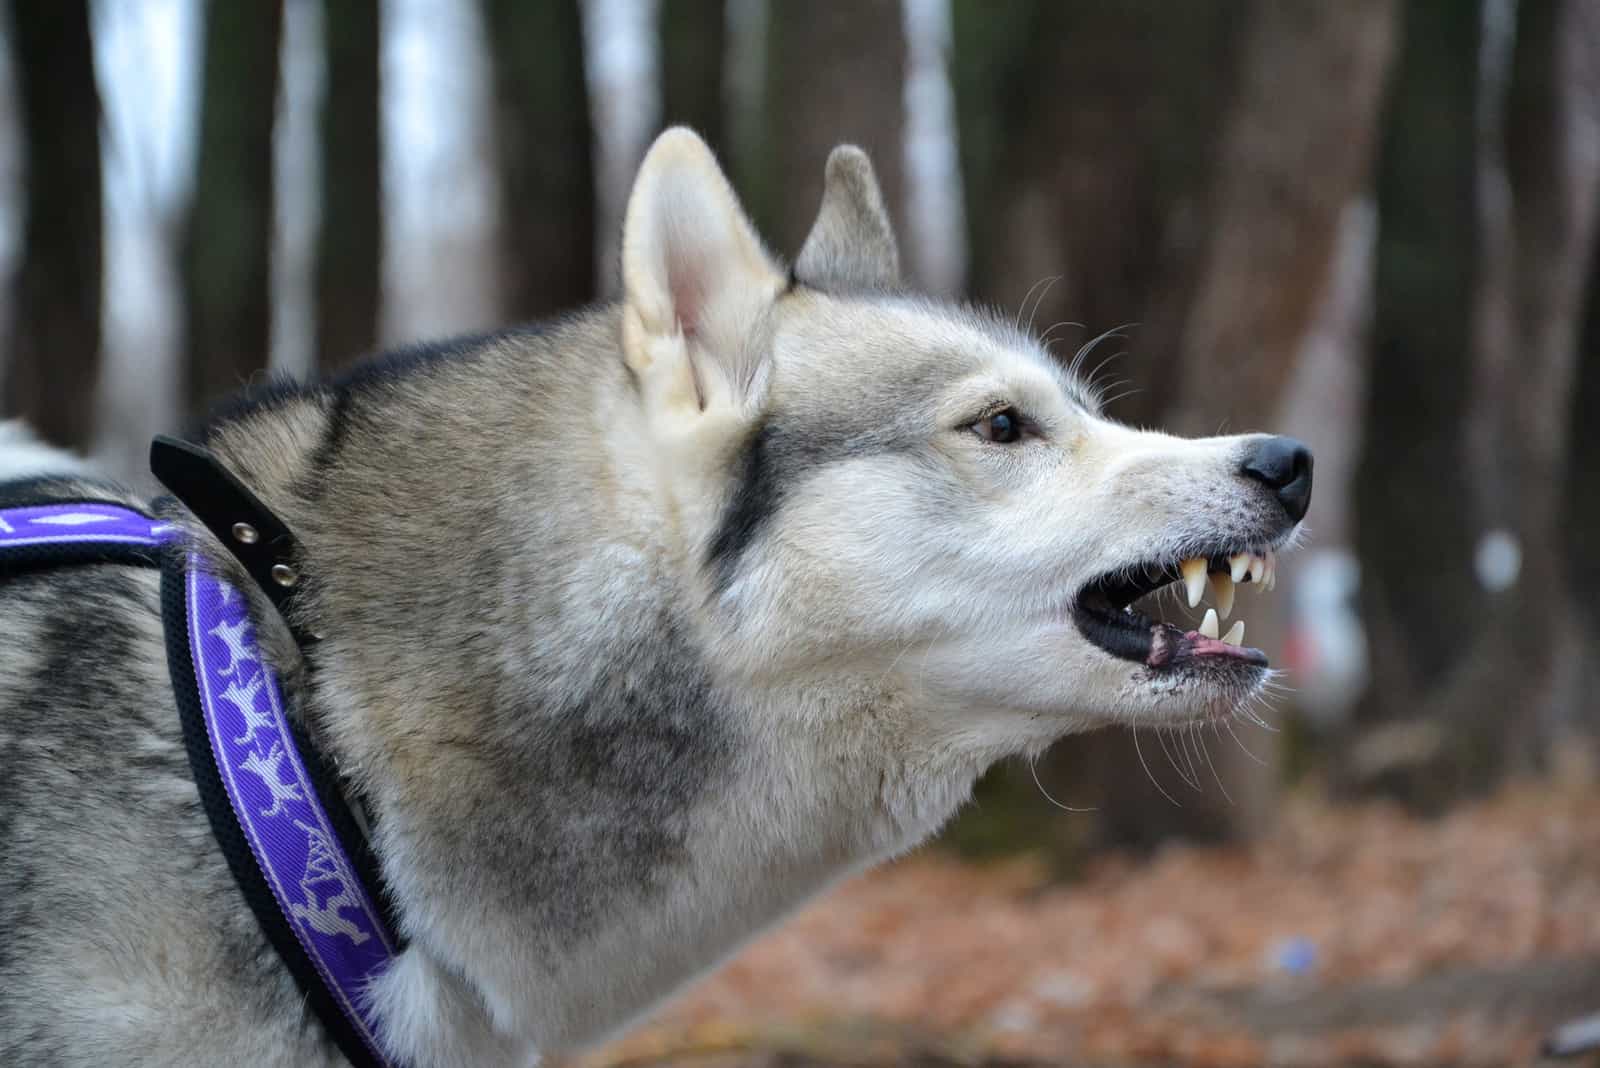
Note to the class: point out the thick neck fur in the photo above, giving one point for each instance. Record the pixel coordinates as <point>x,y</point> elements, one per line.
<point>576,811</point>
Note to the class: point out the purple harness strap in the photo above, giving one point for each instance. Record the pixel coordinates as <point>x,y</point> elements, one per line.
<point>258,762</point>
<point>276,806</point>
<point>79,524</point>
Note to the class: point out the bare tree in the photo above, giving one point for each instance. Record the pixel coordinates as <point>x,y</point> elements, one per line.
<point>1410,476</point>
<point>349,259</point>
<point>546,155</point>
<point>227,238</point>
<point>1581,526</point>
<point>54,355</point>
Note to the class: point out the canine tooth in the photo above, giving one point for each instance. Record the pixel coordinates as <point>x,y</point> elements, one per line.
<point>1235,635</point>
<point>1209,625</point>
<point>1258,567</point>
<point>1272,572</point>
<point>1194,578</point>
<point>1222,593</point>
<point>1239,563</point>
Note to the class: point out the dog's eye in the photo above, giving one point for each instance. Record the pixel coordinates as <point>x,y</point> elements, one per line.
<point>1002,428</point>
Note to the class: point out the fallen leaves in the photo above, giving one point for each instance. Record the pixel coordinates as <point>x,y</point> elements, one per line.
<point>1349,934</point>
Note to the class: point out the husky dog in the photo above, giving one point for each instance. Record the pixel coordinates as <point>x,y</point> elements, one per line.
<point>639,627</point>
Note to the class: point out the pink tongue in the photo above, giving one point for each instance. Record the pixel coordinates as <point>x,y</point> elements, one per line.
<point>1168,643</point>
<point>1200,645</point>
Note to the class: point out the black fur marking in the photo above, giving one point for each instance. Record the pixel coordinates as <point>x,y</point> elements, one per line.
<point>333,439</point>
<point>775,458</point>
<point>756,495</point>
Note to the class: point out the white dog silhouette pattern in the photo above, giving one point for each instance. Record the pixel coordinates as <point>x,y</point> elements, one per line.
<point>266,768</point>
<point>321,869</point>
<point>326,888</point>
<point>243,698</point>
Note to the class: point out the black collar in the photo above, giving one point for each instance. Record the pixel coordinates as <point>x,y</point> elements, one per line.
<point>258,539</point>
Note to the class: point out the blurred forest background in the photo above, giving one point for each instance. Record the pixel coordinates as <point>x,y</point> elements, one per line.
<point>1367,223</point>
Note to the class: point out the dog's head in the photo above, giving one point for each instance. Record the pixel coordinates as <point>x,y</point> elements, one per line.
<point>875,486</point>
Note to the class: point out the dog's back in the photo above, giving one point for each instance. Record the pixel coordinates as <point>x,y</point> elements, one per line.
<point>113,895</point>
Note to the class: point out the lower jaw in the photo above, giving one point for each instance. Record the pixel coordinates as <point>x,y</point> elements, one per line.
<point>1161,646</point>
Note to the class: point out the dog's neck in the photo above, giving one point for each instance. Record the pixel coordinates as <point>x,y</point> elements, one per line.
<point>575,810</point>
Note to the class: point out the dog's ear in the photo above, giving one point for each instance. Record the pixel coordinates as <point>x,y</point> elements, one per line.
<point>852,243</point>
<point>696,281</point>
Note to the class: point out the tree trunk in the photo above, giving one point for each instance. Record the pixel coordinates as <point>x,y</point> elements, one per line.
<point>1518,691</point>
<point>349,258</point>
<point>1087,134</point>
<point>54,356</point>
<point>1410,480</point>
<point>1581,518</point>
<point>546,155</point>
<point>1293,155</point>
<point>227,238</point>
<point>1582,524</point>
<point>693,47</point>
<point>835,73</point>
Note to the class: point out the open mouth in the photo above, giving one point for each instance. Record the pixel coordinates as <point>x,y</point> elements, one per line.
<point>1106,611</point>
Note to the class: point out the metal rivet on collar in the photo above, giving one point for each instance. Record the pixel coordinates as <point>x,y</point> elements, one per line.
<point>245,534</point>
<point>284,575</point>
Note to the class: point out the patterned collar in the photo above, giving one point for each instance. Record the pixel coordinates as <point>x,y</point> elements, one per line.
<point>296,851</point>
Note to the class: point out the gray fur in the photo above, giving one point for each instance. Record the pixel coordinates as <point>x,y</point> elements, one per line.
<point>615,651</point>
<point>851,245</point>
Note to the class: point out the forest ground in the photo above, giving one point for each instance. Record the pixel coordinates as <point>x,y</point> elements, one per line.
<point>1350,935</point>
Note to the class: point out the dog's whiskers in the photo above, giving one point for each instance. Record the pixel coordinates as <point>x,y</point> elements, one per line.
<point>1089,346</point>
<point>1047,282</point>
<point>1228,723</point>
<point>1047,339</point>
<point>1125,393</point>
<point>1033,766</point>
<point>1200,740</point>
<point>1147,771</point>
<point>1162,740</point>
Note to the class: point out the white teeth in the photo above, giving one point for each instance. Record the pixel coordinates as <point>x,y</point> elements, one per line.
<point>1258,567</point>
<point>1235,635</point>
<point>1194,579</point>
<point>1272,572</point>
<point>1208,625</point>
<point>1239,563</point>
<point>1222,593</point>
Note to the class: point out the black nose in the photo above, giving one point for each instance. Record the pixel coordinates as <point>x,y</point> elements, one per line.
<point>1283,465</point>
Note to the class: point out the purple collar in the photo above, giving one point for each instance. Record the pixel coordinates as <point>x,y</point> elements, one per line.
<point>273,803</point>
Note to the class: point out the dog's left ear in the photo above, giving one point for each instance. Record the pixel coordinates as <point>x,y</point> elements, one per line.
<point>851,245</point>
<point>696,283</point>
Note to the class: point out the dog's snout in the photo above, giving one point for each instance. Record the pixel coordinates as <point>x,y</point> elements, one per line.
<point>1283,465</point>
